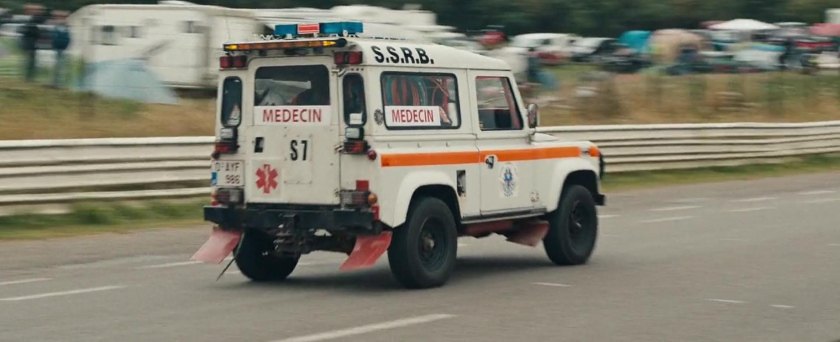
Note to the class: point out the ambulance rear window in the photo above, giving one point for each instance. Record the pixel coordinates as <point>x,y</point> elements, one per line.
<point>231,102</point>
<point>299,85</point>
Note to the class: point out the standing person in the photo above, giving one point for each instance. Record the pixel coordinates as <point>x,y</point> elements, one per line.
<point>60,42</point>
<point>786,54</point>
<point>534,65</point>
<point>29,39</point>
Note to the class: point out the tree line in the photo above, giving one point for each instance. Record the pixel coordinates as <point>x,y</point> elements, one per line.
<point>585,17</point>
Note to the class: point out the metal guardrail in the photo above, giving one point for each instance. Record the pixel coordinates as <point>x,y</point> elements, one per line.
<point>62,171</point>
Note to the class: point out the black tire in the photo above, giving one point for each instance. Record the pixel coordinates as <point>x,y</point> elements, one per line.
<point>423,250</point>
<point>573,228</point>
<point>253,259</point>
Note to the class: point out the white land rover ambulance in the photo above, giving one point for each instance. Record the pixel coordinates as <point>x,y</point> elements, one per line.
<point>335,142</point>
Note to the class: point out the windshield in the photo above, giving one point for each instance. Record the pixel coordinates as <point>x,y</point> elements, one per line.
<point>306,85</point>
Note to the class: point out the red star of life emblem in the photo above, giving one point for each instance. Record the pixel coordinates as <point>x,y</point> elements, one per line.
<point>266,178</point>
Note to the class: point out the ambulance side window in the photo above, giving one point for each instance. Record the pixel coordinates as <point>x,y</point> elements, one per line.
<point>497,109</point>
<point>353,92</point>
<point>231,102</point>
<point>420,100</point>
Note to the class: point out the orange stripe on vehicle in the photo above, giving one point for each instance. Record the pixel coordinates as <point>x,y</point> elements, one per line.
<point>533,154</point>
<point>449,158</point>
<point>423,159</point>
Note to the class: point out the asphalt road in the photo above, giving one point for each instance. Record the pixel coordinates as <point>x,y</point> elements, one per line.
<point>735,261</point>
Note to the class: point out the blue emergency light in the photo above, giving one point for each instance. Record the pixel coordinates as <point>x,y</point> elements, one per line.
<point>284,30</point>
<point>339,28</point>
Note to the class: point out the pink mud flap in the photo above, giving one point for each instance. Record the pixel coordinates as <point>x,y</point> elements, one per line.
<point>218,246</point>
<point>367,250</point>
<point>530,233</point>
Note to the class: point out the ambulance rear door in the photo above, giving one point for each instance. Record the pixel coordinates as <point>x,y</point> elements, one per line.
<point>294,132</point>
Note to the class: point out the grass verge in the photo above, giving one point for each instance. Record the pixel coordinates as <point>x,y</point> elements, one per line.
<point>649,179</point>
<point>92,218</point>
<point>34,111</point>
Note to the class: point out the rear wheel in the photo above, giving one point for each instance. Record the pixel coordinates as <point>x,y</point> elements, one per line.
<point>423,250</point>
<point>573,228</point>
<point>255,260</point>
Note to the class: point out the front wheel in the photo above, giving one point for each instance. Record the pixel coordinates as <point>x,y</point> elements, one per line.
<point>255,259</point>
<point>573,228</point>
<point>423,250</point>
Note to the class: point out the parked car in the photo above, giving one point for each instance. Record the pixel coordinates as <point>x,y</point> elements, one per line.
<point>591,49</point>
<point>551,48</point>
<point>624,60</point>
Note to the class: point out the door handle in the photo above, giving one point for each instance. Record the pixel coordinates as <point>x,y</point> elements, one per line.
<point>490,161</point>
<point>258,145</point>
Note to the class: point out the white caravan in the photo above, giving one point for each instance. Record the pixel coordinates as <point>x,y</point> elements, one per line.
<point>181,43</point>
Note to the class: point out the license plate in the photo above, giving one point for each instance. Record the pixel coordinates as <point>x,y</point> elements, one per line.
<point>227,173</point>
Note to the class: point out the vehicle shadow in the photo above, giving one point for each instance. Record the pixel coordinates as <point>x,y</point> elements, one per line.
<point>469,271</point>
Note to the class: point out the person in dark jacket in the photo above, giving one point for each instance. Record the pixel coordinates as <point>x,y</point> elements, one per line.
<point>60,42</point>
<point>29,39</point>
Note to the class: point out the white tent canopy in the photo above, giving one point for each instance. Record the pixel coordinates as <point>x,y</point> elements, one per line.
<point>743,25</point>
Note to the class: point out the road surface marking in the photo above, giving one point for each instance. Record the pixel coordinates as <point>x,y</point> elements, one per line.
<point>62,293</point>
<point>744,210</point>
<point>364,329</point>
<point>817,192</point>
<point>834,245</point>
<point>755,199</point>
<point>143,259</point>
<point>780,306</point>
<point>169,264</point>
<point>667,219</point>
<point>610,235</point>
<point>728,301</point>
<point>461,244</point>
<point>684,207</point>
<point>606,216</point>
<point>691,200</point>
<point>23,281</point>
<point>553,284</point>
<point>823,200</point>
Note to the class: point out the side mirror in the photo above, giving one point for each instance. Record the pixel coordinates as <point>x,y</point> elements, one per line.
<point>533,115</point>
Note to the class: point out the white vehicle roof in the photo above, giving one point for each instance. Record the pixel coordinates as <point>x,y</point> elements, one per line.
<point>398,53</point>
<point>441,56</point>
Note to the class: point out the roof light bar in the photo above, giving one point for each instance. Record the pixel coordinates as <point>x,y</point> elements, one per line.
<point>290,44</point>
<point>339,28</point>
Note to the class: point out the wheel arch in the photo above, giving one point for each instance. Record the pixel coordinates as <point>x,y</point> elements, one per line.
<point>442,192</point>
<point>579,172</point>
<point>416,185</point>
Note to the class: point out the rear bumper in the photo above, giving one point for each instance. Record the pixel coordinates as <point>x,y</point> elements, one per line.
<point>298,219</point>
